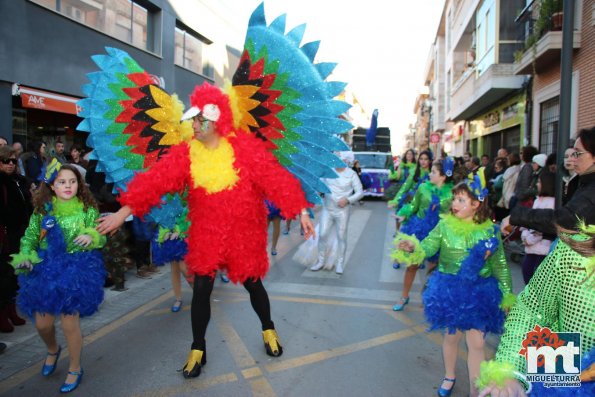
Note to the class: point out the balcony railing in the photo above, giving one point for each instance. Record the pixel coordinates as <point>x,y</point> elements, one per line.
<point>537,19</point>
<point>539,32</point>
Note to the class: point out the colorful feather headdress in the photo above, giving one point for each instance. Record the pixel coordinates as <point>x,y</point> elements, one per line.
<point>477,184</point>
<point>50,171</point>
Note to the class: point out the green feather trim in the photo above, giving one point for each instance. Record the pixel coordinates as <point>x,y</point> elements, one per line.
<point>408,258</point>
<point>494,372</point>
<point>95,237</point>
<point>65,208</point>
<point>464,228</point>
<point>162,232</point>
<point>23,257</point>
<point>508,301</point>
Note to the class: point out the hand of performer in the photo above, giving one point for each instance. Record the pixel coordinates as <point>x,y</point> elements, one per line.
<point>505,226</point>
<point>343,203</point>
<point>307,225</point>
<point>511,388</point>
<point>390,204</point>
<point>174,236</point>
<point>27,266</point>
<point>111,223</point>
<point>84,240</point>
<point>406,246</point>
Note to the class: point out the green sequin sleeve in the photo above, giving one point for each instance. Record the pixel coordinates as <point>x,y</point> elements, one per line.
<point>500,270</point>
<point>412,207</point>
<point>536,304</point>
<point>91,216</point>
<point>404,189</point>
<point>431,244</point>
<point>30,240</point>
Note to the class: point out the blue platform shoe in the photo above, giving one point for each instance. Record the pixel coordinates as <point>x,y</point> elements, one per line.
<point>401,305</point>
<point>68,387</point>
<point>446,392</point>
<point>47,370</point>
<point>396,265</point>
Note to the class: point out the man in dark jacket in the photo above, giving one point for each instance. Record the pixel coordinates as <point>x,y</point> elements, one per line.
<point>581,205</point>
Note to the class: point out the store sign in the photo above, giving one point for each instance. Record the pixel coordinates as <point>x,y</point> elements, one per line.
<point>44,100</point>
<point>491,119</point>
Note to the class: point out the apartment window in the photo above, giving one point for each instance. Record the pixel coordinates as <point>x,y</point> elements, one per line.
<point>193,52</point>
<point>548,125</point>
<point>125,20</point>
<point>486,36</point>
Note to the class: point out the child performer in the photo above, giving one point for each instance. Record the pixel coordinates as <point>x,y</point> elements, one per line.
<point>472,283</point>
<point>561,297</point>
<point>169,245</point>
<point>413,182</point>
<point>61,269</point>
<point>420,216</point>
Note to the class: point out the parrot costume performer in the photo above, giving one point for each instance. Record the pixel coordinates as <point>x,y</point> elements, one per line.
<point>559,298</point>
<point>277,122</point>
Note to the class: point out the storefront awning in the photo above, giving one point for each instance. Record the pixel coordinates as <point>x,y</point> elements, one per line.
<point>45,100</point>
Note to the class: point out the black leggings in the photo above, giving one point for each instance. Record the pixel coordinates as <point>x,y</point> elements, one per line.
<point>201,307</point>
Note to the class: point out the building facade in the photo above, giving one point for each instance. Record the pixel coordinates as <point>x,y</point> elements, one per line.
<point>500,79</point>
<point>48,44</point>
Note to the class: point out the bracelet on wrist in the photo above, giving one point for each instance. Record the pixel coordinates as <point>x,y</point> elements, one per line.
<point>524,381</point>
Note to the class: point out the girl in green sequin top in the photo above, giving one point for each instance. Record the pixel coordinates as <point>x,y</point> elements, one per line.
<point>61,270</point>
<point>420,216</point>
<point>466,294</point>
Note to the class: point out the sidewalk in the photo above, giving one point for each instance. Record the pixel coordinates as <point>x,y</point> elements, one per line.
<point>25,348</point>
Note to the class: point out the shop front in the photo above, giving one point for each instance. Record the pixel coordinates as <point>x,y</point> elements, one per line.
<point>40,115</point>
<point>501,127</point>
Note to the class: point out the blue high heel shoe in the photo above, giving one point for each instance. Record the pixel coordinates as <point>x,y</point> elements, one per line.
<point>396,265</point>
<point>68,387</point>
<point>446,392</point>
<point>47,370</point>
<point>401,305</point>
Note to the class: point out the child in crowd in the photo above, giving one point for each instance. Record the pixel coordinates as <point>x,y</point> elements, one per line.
<point>60,265</point>
<point>472,284</point>
<point>420,216</point>
<point>536,246</point>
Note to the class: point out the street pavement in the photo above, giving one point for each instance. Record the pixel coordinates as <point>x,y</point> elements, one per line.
<point>339,333</point>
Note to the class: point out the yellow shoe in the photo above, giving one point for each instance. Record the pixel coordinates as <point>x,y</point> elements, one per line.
<point>194,363</point>
<point>272,344</point>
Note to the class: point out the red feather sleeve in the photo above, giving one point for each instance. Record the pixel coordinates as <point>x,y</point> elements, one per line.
<point>168,175</point>
<point>277,184</point>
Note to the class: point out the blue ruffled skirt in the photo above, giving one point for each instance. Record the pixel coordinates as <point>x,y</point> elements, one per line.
<point>169,250</point>
<point>63,284</point>
<point>453,303</point>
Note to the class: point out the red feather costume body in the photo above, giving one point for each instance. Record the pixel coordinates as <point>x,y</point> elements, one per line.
<point>229,228</point>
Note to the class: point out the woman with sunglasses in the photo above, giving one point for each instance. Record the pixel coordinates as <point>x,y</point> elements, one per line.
<point>15,210</point>
<point>580,205</point>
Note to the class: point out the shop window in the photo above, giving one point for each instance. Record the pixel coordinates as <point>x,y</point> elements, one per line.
<point>192,52</point>
<point>548,125</point>
<point>125,20</point>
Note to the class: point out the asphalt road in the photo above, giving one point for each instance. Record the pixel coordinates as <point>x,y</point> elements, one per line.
<point>339,333</point>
